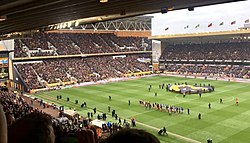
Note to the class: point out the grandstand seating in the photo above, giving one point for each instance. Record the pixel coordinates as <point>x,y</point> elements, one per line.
<point>208,51</point>
<point>79,69</point>
<point>235,71</point>
<point>29,75</point>
<point>224,51</point>
<point>49,44</point>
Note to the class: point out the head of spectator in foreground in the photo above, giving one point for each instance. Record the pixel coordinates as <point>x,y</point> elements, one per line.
<point>35,127</point>
<point>131,136</point>
<point>3,126</point>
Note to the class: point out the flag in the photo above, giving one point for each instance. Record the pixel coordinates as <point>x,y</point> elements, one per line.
<point>197,26</point>
<point>166,28</point>
<point>222,23</point>
<point>247,21</point>
<point>233,22</point>
<point>211,24</point>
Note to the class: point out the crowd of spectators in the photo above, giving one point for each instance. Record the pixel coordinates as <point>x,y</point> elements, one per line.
<point>14,106</point>
<point>235,71</point>
<point>90,69</point>
<point>36,41</point>
<point>237,50</point>
<point>29,75</point>
<point>208,51</point>
<point>64,45</point>
<point>79,43</point>
<point>18,49</point>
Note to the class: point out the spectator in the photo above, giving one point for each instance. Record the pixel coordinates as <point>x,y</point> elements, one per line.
<point>131,136</point>
<point>3,126</point>
<point>35,127</point>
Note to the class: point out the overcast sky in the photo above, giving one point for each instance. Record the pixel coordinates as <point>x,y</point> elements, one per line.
<point>177,20</point>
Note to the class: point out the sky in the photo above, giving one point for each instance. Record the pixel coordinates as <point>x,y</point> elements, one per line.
<point>215,14</point>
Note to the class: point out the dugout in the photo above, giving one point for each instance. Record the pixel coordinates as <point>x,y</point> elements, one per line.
<point>70,114</point>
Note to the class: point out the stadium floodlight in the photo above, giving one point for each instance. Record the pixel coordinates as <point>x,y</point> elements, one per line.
<point>103,1</point>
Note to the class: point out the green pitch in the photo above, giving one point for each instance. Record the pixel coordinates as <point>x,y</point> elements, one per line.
<point>225,122</point>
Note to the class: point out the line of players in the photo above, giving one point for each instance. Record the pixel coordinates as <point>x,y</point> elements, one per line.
<point>162,107</point>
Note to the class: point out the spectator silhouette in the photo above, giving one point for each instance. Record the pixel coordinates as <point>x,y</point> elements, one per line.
<point>35,127</point>
<point>131,136</point>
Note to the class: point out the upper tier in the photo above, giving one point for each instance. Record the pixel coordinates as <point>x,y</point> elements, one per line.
<point>53,44</point>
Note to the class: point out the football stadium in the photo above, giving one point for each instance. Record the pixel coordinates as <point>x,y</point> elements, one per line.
<point>96,72</point>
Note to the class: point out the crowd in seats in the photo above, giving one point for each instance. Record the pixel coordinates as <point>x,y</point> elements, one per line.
<point>29,76</point>
<point>86,43</point>
<point>100,43</point>
<point>14,107</point>
<point>90,69</point>
<point>81,43</point>
<point>236,71</point>
<point>18,49</point>
<point>104,67</point>
<point>82,71</point>
<point>135,42</point>
<point>63,44</point>
<point>52,70</point>
<point>208,51</point>
<point>36,41</point>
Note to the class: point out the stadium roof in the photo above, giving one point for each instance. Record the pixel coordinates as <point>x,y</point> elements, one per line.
<point>235,35</point>
<point>21,15</point>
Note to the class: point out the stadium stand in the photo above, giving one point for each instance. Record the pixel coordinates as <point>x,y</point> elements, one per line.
<point>208,51</point>
<point>235,71</point>
<point>224,59</point>
<point>49,44</point>
<point>19,49</point>
<point>29,75</point>
<point>80,70</point>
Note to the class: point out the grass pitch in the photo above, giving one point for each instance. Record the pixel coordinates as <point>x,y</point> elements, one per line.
<point>224,123</point>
